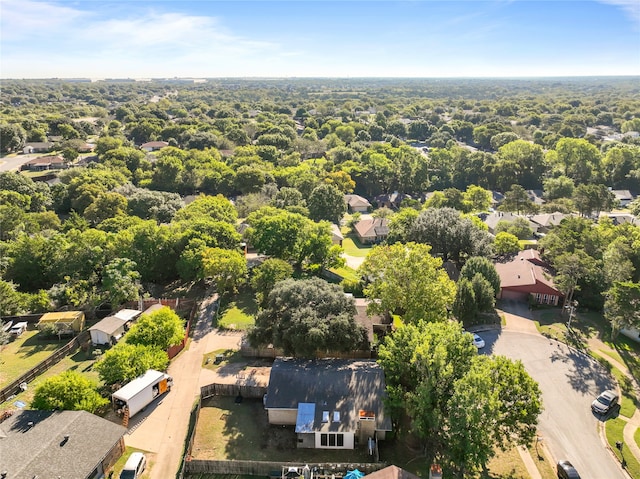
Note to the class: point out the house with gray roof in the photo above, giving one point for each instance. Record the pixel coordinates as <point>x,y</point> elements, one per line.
<point>66,444</point>
<point>357,204</point>
<point>333,403</point>
<point>493,219</point>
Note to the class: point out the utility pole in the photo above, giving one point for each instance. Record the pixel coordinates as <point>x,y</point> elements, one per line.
<point>572,309</point>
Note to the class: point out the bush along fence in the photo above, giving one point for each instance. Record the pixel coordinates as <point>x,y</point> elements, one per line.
<point>251,468</point>
<point>15,387</point>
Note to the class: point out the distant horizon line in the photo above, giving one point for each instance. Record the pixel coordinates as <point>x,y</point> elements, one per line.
<point>201,78</point>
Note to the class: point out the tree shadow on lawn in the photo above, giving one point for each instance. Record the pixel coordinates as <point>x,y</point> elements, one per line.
<point>38,343</point>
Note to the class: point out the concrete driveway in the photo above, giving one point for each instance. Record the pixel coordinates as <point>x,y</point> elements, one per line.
<point>569,382</point>
<point>161,429</point>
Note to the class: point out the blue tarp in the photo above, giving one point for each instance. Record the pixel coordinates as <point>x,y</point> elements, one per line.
<point>355,474</point>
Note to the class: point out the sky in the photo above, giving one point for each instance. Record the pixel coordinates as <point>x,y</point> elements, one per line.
<point>300,38</point>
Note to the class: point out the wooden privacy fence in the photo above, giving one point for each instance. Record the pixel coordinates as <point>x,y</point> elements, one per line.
<point>14,387</point>
<point>265,468</point>
<point>253,392</point>
<point>247,351</point>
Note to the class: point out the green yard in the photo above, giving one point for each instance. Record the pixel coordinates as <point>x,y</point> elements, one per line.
<point>352,247</point>
<point>239,312</point>
<point>80,361</point>
<point>614,428</point>
<point>24,353</point>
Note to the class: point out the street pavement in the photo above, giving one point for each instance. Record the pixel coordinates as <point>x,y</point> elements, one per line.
<point>569,381</point>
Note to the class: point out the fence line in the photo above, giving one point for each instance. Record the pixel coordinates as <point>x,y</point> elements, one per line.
<point>268,468</point>
<point>272,353</point>
<point>254,392</point>
<point>14,387</point>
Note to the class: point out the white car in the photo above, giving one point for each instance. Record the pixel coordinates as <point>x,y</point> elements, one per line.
<point>478,342</point>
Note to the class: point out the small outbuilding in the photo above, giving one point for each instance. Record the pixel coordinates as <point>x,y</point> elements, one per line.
<point>65,322</point>
<point>107,331</point>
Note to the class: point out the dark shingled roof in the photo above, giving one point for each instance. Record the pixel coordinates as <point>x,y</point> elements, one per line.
<point>40,450</point>
<point>343,385</point>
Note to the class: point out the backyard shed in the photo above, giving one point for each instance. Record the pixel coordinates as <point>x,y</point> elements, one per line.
<point>108,331</point>
<point>66,322</point>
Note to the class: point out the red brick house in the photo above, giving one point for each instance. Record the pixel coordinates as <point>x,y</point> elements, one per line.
<point>525,276</point>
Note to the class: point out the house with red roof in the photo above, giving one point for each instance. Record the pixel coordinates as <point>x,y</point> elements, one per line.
<point>526,276</point>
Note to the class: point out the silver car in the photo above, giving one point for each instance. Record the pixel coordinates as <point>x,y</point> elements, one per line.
<point>605,402</point>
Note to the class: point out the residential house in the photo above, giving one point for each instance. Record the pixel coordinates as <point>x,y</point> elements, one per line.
<point>65,322</point>
<point>620,218</point>
<point>527,276</point>
<point>623,196</point>
<point>496,198</point>
<point>535,196</point>
<point>492,220</point>
<point>357,204</point>
<point>372,230</point>
<point>336,234</point>
<point>153,145</point>
<point>37,147</point>
<point>333,403</point>
<point>392,200</point>
<point>547,221</point>
<point>68,444</point>
<point>54,162</point>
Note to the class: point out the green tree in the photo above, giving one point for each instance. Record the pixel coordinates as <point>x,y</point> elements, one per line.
<point>326,202</point>
<point>125,362</point>
<point>121,281</point>
<point>405,279</point>
<point>519,227</point>
<point>12,137</point>
<point>265,276</point>
<point>218,208</point>
<point>451,235</point>
<point>107,205</point>
<point>622,307</point>
<point>306,316</point>
<point>486,268</point>
<point>69,391</point>
<point>459,404</point>
<point>516,199</point>
<point>162,329</point>
<point>465,307</point>
<point>506,243</point>
<point>560,187</point>
<point>477,198</point>
<point>401,224</point>
<point>592,199</point>
<point>578,159</point>
<point>571,269</point>
<point>227,268</point>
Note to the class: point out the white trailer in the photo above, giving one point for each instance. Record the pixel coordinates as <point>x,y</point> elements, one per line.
<point>140,392</point>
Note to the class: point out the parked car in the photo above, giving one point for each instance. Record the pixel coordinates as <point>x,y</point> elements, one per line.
<point>18,328</point>
<point>134,467</point>
<point>478,342</point>
<point>567,471</point>
<point>605,402</point>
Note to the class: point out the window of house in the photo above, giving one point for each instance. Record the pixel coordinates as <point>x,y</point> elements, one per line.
<point>323,439</point>
<point>340,440</point>
<point>332,440</point>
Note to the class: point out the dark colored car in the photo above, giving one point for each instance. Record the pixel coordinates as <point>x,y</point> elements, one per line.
<point>604,403</point>
<point>567,471</point>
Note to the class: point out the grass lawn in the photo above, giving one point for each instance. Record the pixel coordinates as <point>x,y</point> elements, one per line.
<point>347,273</point>
<point>80,361</point>
<point>25,352</point>
<point>547,470</point>
<point>352,247</point>
<point>614,428</point>
<point>636,437</point>
<point>239,312</point>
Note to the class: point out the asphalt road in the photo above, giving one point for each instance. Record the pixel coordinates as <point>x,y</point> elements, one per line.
<point>569,382</point>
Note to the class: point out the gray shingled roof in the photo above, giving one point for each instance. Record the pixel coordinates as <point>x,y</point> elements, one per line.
<point>344,385</point>
<point>108,325</point>
<point>27,452</point>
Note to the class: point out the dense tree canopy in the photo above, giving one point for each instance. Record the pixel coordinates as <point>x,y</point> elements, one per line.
<point>70,391</point>
<point>305,316</point>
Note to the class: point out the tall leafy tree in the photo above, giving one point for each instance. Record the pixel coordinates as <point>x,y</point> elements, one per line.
<point>69,391</point>
<point>227,268</point>
<point>162,328</point>
<point>405,279</point>
<point>326,202</point>
<point>622,307</point>
<point>265,276</point>
<point>306,316</point>
<point>125,362</point>
<point>121,281</point>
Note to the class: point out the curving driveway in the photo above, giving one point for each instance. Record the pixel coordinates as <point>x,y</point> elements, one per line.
<point>569,382</point>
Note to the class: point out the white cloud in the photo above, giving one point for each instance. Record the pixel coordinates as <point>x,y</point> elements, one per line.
<point>24,18</point>
<point>630,7</point>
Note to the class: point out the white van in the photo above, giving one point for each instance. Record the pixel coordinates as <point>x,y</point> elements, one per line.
<point>134,467</point>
